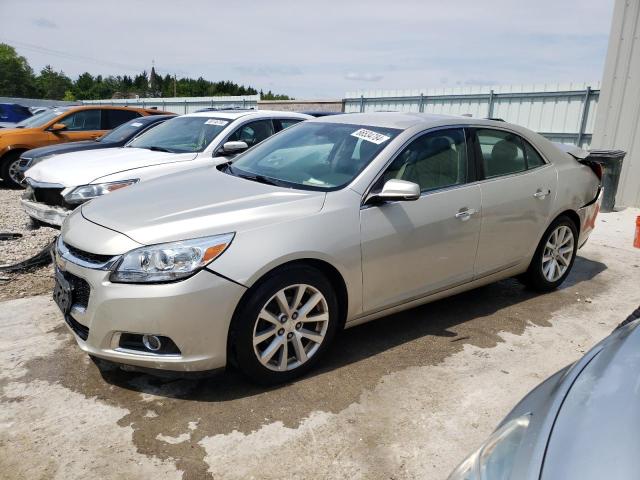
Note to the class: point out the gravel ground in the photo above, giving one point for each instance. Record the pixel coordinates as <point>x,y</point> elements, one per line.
<point>13,220</point>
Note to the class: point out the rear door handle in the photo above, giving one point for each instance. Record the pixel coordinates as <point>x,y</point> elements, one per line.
<point>464,214</point>
<point>540,194</point>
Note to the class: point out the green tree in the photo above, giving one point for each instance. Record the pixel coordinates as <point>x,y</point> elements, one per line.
<point>16,76</point>
<point>53,85</point>
<point>69,96</point>
<point>83,86</point>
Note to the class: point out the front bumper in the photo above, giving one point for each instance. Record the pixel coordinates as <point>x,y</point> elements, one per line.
<point>45,213</point>
<point>194,313</point>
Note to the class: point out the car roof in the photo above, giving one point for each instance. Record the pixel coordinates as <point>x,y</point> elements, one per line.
<point>405,120</point>
<point>153,118</point>
<point>235,114</point>
<point>88,106</point>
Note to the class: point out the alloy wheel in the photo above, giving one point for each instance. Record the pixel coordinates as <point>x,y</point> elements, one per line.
<point>558,253</point>
<point>14,171</point>
<point>290,327</point>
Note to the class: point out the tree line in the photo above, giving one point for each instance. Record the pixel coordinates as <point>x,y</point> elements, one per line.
<point>17,79</point>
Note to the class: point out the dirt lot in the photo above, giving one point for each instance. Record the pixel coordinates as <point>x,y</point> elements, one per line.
<point>13,220</point>
<point>407,396</point>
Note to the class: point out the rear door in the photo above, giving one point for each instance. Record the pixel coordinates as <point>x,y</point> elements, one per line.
<point>413,248</point>
<point>112,118</point>
<point>518,187</point>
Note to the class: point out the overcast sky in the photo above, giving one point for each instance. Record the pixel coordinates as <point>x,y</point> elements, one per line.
<point>322,48</point>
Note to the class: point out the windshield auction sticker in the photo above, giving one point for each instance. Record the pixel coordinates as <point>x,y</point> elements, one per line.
<point>215,121</point>
<point>370,136</point>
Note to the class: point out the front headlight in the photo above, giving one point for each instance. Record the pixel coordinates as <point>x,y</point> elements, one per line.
<point>84,193</point>
<point>494,459</point>
<point>167,262</point>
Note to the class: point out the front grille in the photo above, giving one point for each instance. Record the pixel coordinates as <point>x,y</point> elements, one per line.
<point>80,288</point>
<point>88,256</point>
<point>78,328</point>
<point>49,196</point>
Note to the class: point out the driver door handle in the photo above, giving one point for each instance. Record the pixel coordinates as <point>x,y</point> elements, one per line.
<point>464,214</point>
<point>540,194</point>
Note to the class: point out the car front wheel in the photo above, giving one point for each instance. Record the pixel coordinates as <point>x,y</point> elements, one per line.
<point>10,171</point>
<point>554,256</point>
<point>285,325</point>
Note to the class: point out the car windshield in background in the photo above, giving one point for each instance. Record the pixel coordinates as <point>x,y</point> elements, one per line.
<point>313,156</point>
<point>124,131</point>
<point>40,119</point>
<point>182,134</point>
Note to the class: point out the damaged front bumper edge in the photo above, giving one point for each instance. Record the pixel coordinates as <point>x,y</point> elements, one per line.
<point>45,213</point>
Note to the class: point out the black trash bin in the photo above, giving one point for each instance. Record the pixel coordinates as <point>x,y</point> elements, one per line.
<point>611,161</point>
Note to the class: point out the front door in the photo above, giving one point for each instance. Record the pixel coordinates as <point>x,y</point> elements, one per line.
<point>413,248</point>
<point>81,125</point>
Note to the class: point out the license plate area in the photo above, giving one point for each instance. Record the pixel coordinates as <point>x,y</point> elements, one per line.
<point>62,292</point>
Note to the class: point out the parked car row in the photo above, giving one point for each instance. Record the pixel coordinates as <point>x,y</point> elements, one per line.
<point>59,125</point>
<point>60,184</point>
<point>204,254</point>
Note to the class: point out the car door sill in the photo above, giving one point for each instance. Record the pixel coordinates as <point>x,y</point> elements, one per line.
<point>485,279</point>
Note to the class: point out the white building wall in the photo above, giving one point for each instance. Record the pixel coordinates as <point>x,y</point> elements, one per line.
<point>617,123</point>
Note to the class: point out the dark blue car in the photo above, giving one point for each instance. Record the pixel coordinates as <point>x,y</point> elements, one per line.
<point>11,113</point>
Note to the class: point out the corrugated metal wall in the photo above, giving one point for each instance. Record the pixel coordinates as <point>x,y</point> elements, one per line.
<point>561,112</point>
<point>618,121</point>
<point>182,105</point>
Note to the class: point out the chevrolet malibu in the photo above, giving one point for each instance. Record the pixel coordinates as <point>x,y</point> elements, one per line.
<point>333,222</point>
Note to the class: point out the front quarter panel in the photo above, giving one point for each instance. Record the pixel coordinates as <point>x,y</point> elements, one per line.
<point>332,235</point>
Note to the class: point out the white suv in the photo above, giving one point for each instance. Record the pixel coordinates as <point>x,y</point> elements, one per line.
<point>58,185</point>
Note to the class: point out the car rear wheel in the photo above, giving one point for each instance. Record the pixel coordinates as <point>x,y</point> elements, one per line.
<point>9,169</point>
<point>554,256</point>
<point>285,325</point>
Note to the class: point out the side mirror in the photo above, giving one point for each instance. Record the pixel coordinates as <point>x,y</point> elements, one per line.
<point>57,127</point>
<point>396,191</point>
<point>233,148</point>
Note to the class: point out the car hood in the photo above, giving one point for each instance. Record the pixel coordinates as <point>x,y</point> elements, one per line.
<point>600,414</point>
<point>14,134</point>
<point>198,203</point>
<point>62,148</point>
<point>81,168</point>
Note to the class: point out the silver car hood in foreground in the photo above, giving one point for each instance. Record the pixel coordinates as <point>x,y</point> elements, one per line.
<point>198,203</point>
<point>585,418</point>
<point>597,432</point>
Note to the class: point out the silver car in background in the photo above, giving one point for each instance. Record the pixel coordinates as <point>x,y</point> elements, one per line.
<point>331,223</point>
<point>579,424</point>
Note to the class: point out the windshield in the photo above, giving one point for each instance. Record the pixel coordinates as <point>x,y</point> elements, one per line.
<point>181,134</point>
<point>40,119</point>
<point>125,131</point>
<point>314,156</point>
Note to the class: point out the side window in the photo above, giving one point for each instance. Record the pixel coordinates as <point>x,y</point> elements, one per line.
<point>533,158</point>
<point>253,133</point>
<point>502,152</point>
<point>82,120</point>
<point>115,118</point>
<point>435,160</point>
<point>283,123</point>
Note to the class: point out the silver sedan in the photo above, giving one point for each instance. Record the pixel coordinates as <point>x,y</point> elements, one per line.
<point>328,224</point>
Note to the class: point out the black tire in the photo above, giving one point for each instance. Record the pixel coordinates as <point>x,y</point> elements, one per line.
<point>5,164</point>
<point>534,277</point>
<point>246,317</point>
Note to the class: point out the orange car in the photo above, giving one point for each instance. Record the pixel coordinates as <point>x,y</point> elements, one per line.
<point>58,125</point>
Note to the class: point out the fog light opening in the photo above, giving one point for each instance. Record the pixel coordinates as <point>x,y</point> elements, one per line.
<point>151,342</point>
